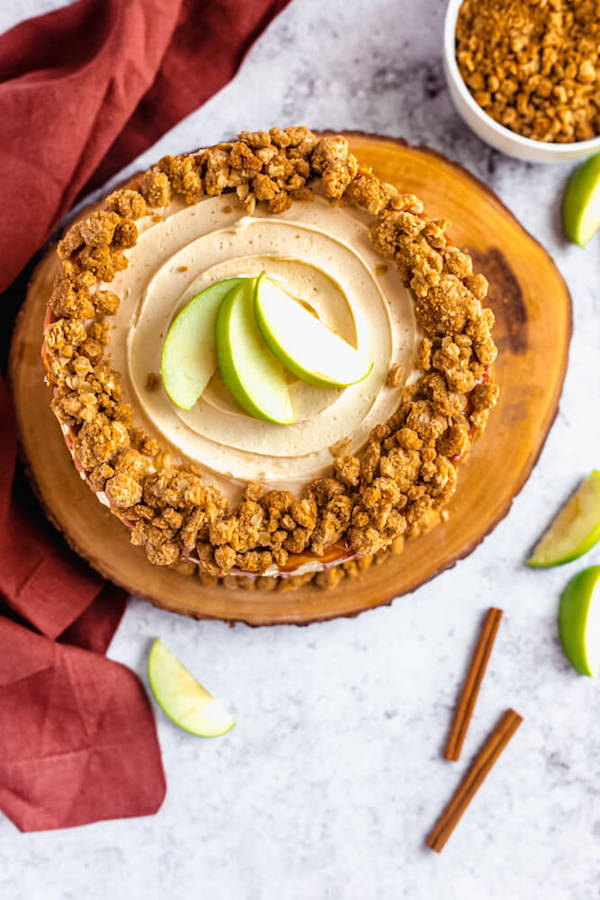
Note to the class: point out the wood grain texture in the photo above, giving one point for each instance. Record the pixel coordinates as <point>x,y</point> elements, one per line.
<point>533,328</point>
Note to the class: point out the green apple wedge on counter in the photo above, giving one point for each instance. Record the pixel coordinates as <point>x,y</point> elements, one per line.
<point>581,203</point>
<point>575,529</point>
<point>579,621</point>
<point>182,698</point>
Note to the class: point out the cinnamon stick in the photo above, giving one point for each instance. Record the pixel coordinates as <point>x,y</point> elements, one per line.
<point>484,761</point>
<point>472,684</point>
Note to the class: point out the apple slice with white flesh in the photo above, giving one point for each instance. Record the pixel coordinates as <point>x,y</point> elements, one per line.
<point>182,698</point>
<point>253,375</point>
<point>189,355</point>
<point>575,529</point>
<point>302,343</point>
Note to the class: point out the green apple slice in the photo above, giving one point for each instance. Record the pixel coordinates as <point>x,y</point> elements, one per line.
<point>182,698</point>
<point>303,344</point>
<point>581,204</point>
<point>579,621</point>
<point>189,356</point>
<point>574,531</point>
<point>253,375</point>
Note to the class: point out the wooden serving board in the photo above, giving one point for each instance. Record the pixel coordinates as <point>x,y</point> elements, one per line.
<point>533,328</point>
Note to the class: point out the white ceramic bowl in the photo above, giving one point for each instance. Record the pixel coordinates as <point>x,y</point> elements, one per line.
<point>487,128</point>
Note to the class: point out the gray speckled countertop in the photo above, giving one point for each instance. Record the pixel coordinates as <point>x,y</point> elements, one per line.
<point>333,776</point>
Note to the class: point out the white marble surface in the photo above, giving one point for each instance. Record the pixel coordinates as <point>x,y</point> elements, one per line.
<point>333,776</point>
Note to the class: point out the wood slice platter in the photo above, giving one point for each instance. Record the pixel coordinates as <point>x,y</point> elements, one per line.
<point>533,329</point>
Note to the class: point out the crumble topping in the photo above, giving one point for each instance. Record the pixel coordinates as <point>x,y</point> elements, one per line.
<point>532,65</point>
<point>394,489</point>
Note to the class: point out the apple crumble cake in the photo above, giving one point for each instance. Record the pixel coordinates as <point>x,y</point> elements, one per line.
<point>213,490</point>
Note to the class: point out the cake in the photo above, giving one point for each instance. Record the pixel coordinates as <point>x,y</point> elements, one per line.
<point>215,490</point>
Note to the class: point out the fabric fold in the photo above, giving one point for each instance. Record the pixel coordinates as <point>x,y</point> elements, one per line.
<point>81,745</point>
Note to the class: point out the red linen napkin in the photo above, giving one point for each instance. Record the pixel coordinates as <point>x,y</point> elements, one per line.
<point>82,92</point>
<point>78,741</point>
